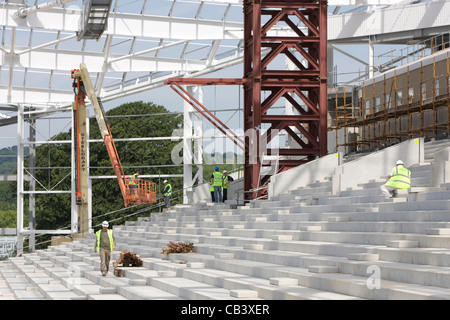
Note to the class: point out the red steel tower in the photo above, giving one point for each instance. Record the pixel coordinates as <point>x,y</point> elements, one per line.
<point>287,29</point>
<point>305,88</point>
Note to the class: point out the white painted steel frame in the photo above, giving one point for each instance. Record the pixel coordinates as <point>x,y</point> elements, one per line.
<point>381,23</point>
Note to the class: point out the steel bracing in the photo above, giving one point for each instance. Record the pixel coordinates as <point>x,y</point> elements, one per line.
<point>305,88</point>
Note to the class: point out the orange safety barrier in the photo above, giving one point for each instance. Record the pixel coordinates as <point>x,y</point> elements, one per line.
<point>140,193</point>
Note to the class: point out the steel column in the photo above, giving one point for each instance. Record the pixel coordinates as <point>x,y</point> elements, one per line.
<point>304,88</point>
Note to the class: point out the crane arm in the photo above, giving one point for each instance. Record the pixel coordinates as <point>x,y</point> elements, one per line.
<point>86,88</point>
<point>83,74</point>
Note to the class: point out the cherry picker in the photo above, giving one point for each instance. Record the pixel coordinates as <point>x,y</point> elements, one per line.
<point>134,191</point>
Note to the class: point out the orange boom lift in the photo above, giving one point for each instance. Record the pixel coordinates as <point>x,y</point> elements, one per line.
<point>145,191</point>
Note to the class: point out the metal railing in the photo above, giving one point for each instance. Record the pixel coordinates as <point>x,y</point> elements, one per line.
<point>7,248</point>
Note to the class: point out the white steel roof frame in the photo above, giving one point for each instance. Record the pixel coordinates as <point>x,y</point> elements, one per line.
<point>168,32</point>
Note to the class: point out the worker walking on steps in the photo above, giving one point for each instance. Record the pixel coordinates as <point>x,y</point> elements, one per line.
<point>216,182</point>
<point>399,178</point>
<point>167,194</point>
<point>105,243</point>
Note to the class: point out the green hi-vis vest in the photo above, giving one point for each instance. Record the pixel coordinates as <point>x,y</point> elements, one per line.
<point>111,241</point>
<point>168,193</point>
<point>211,189</point>
<point>401,178</point>
<point>224,182</point>
<point>133,180</point>
<point>217,179</point>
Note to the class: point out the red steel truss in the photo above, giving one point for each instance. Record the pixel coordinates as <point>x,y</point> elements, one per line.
<point>305,88</point>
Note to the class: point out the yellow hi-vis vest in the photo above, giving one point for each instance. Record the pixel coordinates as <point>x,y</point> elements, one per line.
<point>217,181</point>
<point>111,241</point>
<point>401,178</point>
<point>225,182</point>
<point>168,193</point>
<point>133,180</point>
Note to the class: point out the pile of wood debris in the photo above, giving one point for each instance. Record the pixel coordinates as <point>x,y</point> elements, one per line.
<point>126,259</point>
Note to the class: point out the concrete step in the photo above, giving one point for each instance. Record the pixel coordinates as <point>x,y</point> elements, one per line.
<point>14,285</point>
<point>48,287</point>
<point>343,200</point>
<point>349,232</point>
<point>305,244</point>
<point>340,283</point>
<point>273,255</point>
<point>174,283</point>
<point>430,205</point>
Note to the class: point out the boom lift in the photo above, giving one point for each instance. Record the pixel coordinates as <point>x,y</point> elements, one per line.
<point>145,191</point>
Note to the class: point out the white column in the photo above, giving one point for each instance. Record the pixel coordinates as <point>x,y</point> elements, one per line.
<point>20,178</point>
<point>371,57</point>
<point>198,142</point>
<point>32,185</point>
<point>187,148</point>
<point>89,173</point>
<point>330,64</point>
<point>74,209</point>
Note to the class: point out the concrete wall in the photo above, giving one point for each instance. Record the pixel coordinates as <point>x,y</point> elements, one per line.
<point>376,165</point>
<point>342,136</point>
<point>344,175</point>
<point>303,175</point>
<point>440,168</point>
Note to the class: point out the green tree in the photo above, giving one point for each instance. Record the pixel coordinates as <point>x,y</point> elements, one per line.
<point>144,156</point>
<point>8,219</point>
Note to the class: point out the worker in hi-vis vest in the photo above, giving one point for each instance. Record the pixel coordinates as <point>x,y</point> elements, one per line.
<point>167,192</point>
<point>226,179</point>
<point>104,244</point>
<point>216,182</point>
<point>133,184</point>
<point>211,190</point>
<point>399,178</point>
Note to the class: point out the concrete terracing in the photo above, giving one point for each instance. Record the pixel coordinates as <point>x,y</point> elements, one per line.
<point>306,244</point>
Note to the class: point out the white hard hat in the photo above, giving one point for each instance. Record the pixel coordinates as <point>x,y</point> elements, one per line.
<point>105,224</point>
<point>224,171</point>
<point>165,181</point>
<point>399,162</point>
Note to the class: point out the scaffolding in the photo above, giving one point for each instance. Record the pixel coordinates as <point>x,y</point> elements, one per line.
<point>410,101</point>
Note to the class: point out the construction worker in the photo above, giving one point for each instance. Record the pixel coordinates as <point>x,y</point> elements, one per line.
<point>133,185</point>
<point>399,178</point>
<point>167,194</point>
<point>105,243</point>
<point>216,182</point>
<point>226,179</point>
<point>211,190</point>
